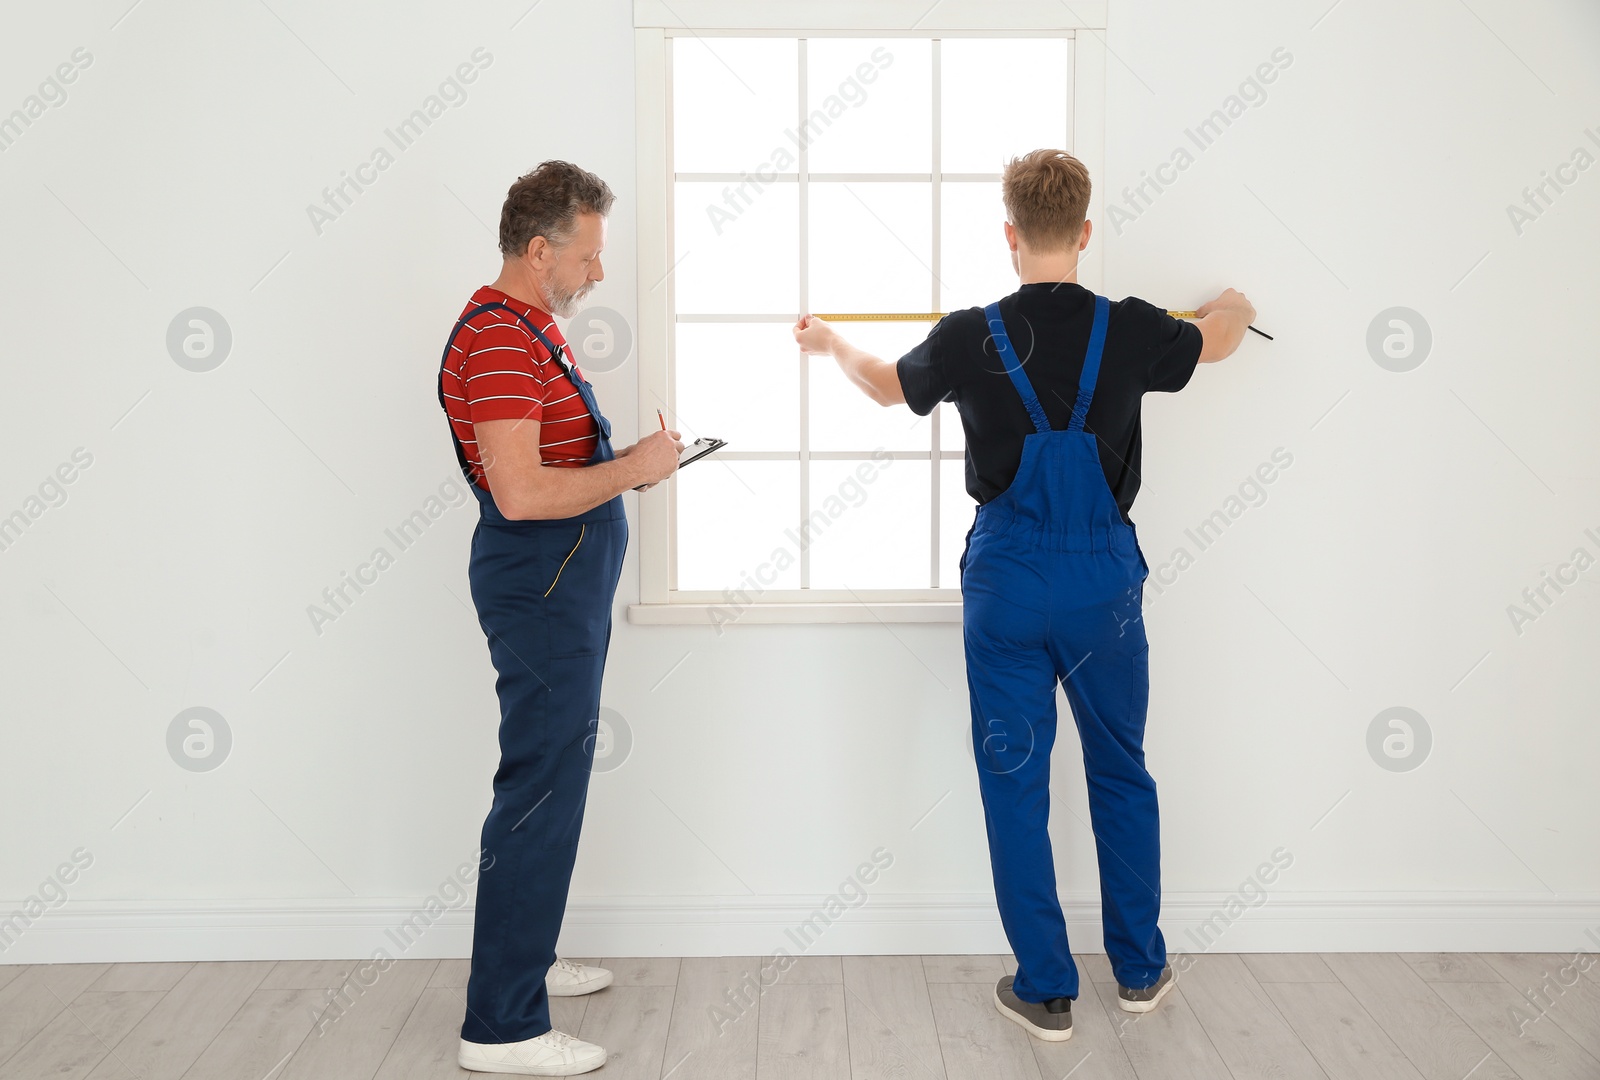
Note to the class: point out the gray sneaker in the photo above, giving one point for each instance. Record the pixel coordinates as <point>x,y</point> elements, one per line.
<point>1048,1020</point>
<point>1146,998</point>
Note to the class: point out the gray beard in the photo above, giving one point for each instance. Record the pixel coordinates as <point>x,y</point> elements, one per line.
<point>562,302</point>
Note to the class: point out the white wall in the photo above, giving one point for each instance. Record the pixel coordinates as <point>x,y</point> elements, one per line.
<point>770,761</point>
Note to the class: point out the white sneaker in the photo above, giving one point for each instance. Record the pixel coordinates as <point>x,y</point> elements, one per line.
<point>555,1053</point>
<point>568,978</point>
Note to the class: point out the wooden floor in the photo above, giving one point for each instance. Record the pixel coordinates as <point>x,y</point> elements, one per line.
<point>1362,1016</point>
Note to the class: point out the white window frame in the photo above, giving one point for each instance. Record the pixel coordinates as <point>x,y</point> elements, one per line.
<point>655,23</point>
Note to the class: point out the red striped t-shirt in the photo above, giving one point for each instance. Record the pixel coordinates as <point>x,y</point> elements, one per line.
<point>496,370</point>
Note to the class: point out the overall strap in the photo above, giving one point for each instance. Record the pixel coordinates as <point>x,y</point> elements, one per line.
<point>1013,366</point>
<point>1091,364</point>
<point>494,305</point>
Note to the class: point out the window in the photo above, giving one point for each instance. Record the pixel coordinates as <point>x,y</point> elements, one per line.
<point>841,169</point>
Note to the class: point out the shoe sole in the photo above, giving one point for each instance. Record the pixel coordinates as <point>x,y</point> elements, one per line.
<point>1026,1025</point>
<point>587,988</point>
<point>1146,1006</point>
<point>483,1065</point>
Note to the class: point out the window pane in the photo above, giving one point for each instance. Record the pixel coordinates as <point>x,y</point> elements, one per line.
<point>870,525</point>
<point>843,418</point>
<point>733,102</point>
<point>869,105</point>
<point>736,255</point>
<point>739,382</point>
<point>871,247</point>
<point>956,511</point>
<point>974,262</point>
<point>738,519</point>
<point>951,434</point>
<point>1002,97</point>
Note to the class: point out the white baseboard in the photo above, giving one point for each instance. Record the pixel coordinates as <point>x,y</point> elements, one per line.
<point>296,929</point>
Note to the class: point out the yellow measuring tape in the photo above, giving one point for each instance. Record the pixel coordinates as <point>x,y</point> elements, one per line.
<point>922,316</point>
<point>935,316</point>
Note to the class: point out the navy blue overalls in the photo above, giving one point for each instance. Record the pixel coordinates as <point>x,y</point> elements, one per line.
<point>543,590</point>
<point>1051,583</point>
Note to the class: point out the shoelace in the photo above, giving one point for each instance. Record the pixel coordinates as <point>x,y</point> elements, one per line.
<point>558,1039</point>
<point>569,966</point>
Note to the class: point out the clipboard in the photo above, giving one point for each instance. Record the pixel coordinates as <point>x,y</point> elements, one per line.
<point>698,449</point>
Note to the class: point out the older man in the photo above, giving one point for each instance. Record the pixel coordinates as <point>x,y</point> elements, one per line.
<point>546,556</point>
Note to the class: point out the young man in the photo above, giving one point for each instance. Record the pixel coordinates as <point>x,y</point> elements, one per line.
<point>1048,382</point>
<point>546,557</point>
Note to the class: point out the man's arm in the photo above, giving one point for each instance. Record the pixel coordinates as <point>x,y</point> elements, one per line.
<point>876,378</point>
<point>525,489</point>
<point>1223,323</point>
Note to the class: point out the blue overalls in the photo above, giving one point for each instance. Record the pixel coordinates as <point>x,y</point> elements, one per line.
<point>543,591</point>
<point>1051,582</point>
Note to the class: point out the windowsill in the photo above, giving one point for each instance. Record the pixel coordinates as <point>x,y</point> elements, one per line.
<point>721,615</point>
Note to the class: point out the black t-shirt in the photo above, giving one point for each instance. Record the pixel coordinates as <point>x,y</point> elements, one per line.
<point>1048,323</point>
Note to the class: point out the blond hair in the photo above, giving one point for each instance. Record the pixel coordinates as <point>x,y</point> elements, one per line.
<point>1046,193</point>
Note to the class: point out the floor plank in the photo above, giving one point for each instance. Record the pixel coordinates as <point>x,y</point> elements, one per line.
<point>182,1024</point>
<point>82,1034</point>
<point>37,996</point>
<point>1288,967</point>
<point>1557,984</point>
<point>160,976</point>
<point>976,1041</point>
<point>1386,1016</point>
<point>309,974</point>
<point>1450,967</point>
<point>643,970</point>
<point>814,969</point>
<point>890,1019</point>
<point>1346,1041</point>
<point>426,1047</point>
<point>964,969</point>
<point>566,1013</point>
<point>715,1015</point>
<point>1539,1051</point>
<point>269,1026</point>
<point>631,1022</point>
<point>1167,1044</point>
<point>356,1029</point>
<point>1094,1052</point>
<point>1253,1039</point>
<point>801,1032</point>
<point>1438,1042</point>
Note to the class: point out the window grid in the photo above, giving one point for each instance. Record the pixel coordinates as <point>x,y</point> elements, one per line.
<point>802,177</point>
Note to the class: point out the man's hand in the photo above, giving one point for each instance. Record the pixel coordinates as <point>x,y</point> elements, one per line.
<point>1231,299</point>
<point>1222,324</point>
<point>816,337</point>
<point>655,455</point>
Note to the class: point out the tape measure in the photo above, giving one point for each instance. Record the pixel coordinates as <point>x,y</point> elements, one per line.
<point>935,316</point>
<point>922,316</point>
